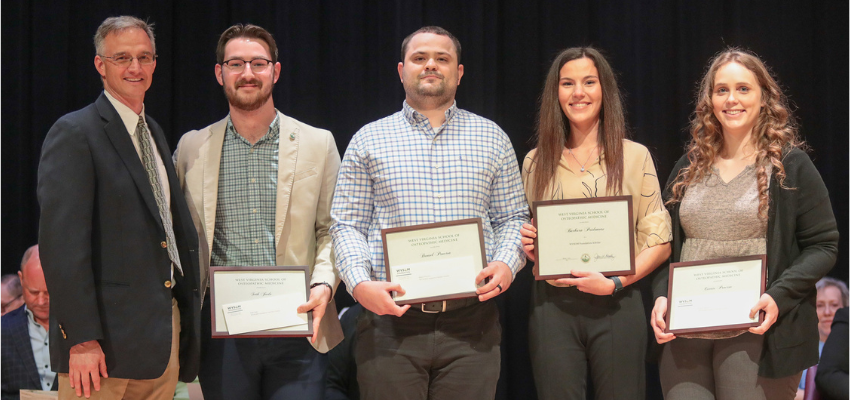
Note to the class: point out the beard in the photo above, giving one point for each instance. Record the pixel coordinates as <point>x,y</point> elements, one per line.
<point>434,92</point>
<point>248,102</point>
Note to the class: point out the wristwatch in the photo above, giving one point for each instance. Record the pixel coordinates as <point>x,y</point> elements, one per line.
<point>329,287</point>
<point>618,286</point>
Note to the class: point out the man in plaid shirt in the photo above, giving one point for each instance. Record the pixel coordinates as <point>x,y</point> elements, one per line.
<point>430,162</point>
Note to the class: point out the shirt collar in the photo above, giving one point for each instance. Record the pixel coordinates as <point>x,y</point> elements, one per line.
<point>271,135</point>
<point>414,117</point>
<point>30,317</point>
<point>128,116</point>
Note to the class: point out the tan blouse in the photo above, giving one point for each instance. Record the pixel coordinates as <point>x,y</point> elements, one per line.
<point>651,219</point>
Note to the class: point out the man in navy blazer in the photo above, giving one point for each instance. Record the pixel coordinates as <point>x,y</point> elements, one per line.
<point>25,355</point>
<point>118,245</point>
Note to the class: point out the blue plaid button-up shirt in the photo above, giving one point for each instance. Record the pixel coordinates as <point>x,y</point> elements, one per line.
<point>399,171</point>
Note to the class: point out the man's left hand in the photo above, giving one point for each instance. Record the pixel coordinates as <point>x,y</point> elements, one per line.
<point>320,296</point>
<point>500,279</point>
<point>771,312</point>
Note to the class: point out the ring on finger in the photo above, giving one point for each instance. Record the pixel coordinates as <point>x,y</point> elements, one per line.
<point>500,288</point>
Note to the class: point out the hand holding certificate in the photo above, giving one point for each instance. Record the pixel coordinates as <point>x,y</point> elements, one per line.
<point>714,295</point>
<point>259,302</point>
<point>435,262</point>
<point>594,235</point>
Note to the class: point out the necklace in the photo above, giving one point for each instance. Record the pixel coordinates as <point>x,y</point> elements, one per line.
<point>579,162</point>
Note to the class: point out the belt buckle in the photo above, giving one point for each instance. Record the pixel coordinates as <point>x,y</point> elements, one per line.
<point>422,306</point>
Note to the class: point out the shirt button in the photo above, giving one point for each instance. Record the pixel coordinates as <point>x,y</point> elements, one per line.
<point>252,150</point>
<point>437,166</point>
<point>439,195</point>
<point>254,210</point>
<point>163,244</point>
<point>256,240</point>
<point>253,180</point>
<point>168,284</point>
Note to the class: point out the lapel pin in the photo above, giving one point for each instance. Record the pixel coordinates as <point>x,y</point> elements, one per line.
<point>292,136</point>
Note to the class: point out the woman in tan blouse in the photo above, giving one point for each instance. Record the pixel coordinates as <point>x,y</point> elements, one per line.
<point>590,320</point>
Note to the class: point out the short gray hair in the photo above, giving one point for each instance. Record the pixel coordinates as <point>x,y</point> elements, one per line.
<point>12,283</point>
<point>118,24</point>
<point>840,285</point>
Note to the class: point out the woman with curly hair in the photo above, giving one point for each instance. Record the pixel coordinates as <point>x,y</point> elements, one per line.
<point>745,187</point>
<point>581,152</point>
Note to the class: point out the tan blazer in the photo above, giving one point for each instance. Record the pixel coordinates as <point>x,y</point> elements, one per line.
<point>306,177</point>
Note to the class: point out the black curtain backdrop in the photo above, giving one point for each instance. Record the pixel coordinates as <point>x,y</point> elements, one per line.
<point>339,72</point>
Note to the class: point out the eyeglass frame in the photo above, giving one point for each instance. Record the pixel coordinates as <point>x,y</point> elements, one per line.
<point>112,58</point>
<point>245,62</point>
<point>3,307</point>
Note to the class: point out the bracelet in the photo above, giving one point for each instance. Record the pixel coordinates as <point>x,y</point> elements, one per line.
<point>326,284</point>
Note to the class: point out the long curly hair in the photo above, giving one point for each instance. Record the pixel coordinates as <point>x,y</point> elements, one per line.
<point>775,129</point>
<point>553,127</point>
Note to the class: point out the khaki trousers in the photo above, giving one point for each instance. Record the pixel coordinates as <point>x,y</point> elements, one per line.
<point>161,388</point>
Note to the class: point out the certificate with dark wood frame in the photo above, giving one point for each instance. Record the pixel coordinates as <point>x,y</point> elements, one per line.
<point>574,219</point>
<point>437,251</point>
<point>300,273</point>
<point>718,280</point>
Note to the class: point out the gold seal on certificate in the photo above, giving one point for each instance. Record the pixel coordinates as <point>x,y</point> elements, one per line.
<point>594,234</point>
<point>715,295</point>
<point>259,302</point>
<point>436,261</point>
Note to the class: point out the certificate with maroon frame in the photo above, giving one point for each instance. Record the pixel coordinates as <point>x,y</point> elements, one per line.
<point>229,285</point>
<point>595,235</point>
<point>434,262</point>
<point>715,295</point>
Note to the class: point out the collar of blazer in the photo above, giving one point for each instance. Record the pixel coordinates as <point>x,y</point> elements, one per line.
<point>288,156</point>
<point>117,133</point>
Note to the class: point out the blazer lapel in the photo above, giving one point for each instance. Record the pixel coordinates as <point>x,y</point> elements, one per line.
<point>120,138</point>
<point>211,150</point>
<point>288,155</point>
<point>24,347</point>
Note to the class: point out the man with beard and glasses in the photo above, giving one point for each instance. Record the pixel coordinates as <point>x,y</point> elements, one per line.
<point>260,185</point>
<point>430,162</point>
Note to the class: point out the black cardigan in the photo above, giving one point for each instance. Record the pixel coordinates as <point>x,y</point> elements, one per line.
<point>802,243</point>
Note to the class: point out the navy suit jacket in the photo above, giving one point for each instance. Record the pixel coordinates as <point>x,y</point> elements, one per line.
<point>102,247</point>
<point>18,365</point>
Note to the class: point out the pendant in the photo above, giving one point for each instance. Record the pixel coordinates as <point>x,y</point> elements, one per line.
<point>582,169</point>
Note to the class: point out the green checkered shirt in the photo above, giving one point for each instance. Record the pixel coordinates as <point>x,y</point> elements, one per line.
<point>247,192</point>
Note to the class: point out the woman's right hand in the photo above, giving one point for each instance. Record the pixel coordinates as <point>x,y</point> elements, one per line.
<point>528,232</point>
<point>656,319</point>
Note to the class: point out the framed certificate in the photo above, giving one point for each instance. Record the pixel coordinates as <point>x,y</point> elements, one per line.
<point>715,295</point>
<point>253,302</point>
<point>435,262</point>
<point>594,234</point>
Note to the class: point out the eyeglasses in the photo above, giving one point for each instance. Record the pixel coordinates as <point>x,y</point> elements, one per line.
<point>124,60</point>
<point>237,66</point>
<point>4,306</point>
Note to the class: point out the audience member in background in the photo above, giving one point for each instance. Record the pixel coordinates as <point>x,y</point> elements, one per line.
<point>831,379</point>
<point>10,293</point>
<point>832,295</point>
<point>25,345</point>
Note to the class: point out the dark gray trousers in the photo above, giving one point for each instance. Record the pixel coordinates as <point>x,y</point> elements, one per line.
<point>452,355</point>
<point>571,332</point>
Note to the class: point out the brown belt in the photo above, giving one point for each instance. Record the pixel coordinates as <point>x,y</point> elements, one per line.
<point>445,305</point>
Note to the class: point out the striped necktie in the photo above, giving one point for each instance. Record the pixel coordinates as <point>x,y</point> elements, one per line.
<point>153,177</point>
